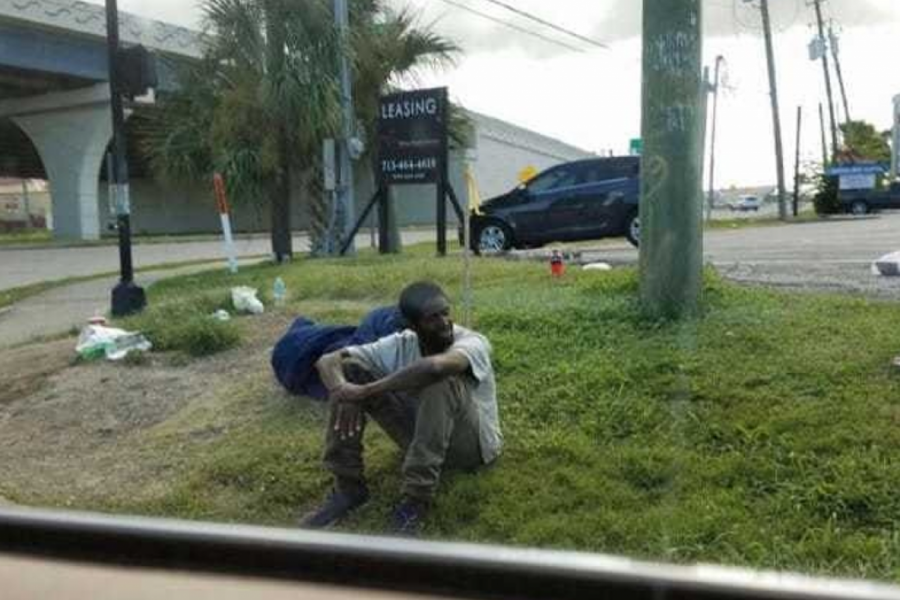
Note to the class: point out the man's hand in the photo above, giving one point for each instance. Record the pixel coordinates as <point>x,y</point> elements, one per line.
<point>349,420</point>
<point>349,393</point>
<point>349,397</point>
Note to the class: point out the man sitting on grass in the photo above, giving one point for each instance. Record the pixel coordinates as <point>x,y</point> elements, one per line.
<point>430,388</point>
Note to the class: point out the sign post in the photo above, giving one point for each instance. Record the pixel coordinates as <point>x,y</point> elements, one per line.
<point>412,150</point>
<point>225,218</point>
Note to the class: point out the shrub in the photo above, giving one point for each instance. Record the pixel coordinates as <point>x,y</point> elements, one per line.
<point>826,199</point>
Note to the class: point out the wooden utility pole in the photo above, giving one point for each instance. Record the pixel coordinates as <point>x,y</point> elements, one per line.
<point>824,140</point>
<point>835,53</point>
<point>797,163</point>
<point>834,131</point>
<point>776,116</point>
<point>710,203</point>
<point>671,253</point>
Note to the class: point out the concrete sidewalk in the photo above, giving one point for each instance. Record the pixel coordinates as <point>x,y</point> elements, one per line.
<point>25,266</point>
<point>58,310</point>
<point>61,308</point>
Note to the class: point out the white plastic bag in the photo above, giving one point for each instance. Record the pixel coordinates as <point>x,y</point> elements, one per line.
<point>888,265</point>
<point>245,300</point>
<point>95,341</point>
<point>598,266</point>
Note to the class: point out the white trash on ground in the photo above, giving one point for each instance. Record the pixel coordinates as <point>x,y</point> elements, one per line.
<point>888,265</point>
<point>221,315</point>
<point>245,300</point>
<point>95,341</point>
<point>598,266</point>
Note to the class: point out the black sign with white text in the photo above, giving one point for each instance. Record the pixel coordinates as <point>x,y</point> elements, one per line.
<point>412,136</point>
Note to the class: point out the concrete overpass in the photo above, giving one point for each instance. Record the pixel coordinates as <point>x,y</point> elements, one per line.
<point>55,119</point>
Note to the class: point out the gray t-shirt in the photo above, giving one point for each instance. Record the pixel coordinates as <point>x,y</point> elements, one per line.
<point>394,352</point>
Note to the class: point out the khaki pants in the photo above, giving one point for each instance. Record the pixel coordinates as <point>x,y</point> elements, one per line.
<point>435,426</point>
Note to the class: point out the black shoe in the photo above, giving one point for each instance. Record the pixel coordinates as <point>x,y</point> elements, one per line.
<point>409,516</point>
<point>338,505</point>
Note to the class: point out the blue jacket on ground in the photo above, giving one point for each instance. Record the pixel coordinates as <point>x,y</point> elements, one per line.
<point>294,356</point>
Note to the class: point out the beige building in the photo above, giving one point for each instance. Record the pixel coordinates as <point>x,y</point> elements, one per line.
<point>24,203</point>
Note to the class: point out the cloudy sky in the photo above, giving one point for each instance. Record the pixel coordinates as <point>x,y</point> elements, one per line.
<point>592,98</point>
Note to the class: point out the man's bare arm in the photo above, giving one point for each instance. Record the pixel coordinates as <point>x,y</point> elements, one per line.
<point>331,370</point>
<point>421,373</point>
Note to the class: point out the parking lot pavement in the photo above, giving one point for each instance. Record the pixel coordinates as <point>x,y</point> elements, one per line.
<point>832,255</point>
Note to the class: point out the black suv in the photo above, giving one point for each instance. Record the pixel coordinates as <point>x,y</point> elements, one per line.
<point>582,200</point>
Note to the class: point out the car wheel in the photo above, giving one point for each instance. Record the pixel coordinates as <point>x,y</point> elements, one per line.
<point>633,229</point>
<point>859,208</point>
<point>493,237</point>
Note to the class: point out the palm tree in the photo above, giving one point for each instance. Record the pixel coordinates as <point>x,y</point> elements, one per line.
<point>391,49</point>
<point>263,97</point>
<point>266,94</point>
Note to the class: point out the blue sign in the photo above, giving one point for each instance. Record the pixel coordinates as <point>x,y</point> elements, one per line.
<point>862,168</point>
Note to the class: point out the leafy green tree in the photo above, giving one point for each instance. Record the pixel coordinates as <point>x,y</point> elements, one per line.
<point>259,102</point>
<point>864,142</point>
<point>390,49</point>
<point>266,94</point>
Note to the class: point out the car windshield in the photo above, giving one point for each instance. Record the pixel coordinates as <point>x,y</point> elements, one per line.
<point>552,180</point>
<point>616,277</point>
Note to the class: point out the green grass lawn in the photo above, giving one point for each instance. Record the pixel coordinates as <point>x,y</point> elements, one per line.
<point>765,434</point>
<point>25,237</point>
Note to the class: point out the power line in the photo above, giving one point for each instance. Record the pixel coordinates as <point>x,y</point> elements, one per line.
<point>511,25</point>
<point>546,23</point>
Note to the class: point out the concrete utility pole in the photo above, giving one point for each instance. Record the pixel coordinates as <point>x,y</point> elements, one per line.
<point>776,115</point>
<point>127,298</point>
<point>671,212</point>
<point>835,53</point>
<point>712,142</point>
<point>345,191</point>
<point>834,130</point>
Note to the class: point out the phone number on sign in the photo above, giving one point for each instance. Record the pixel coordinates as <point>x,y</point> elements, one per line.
<point>403,166</point>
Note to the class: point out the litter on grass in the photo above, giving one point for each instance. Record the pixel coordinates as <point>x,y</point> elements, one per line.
<point>244,300</point>
<point>96,341</point>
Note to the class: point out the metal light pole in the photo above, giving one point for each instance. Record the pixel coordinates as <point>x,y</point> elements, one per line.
<point>345,191</point>
<point>712,143</point>
<point>127,297</point>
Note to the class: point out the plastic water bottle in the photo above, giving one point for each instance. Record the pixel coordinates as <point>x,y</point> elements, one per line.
<point>279,291</point>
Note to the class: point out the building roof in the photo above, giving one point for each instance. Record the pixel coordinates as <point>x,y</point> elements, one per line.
<point>508,133</point>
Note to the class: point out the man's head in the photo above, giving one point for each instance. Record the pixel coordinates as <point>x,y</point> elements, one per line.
<point>426,308</point>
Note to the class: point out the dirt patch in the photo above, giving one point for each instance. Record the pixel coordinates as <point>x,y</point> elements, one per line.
<point>25,369</point>
<point>71,432</point>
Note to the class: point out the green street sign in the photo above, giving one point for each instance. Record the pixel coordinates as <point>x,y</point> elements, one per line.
<point>636,147</point>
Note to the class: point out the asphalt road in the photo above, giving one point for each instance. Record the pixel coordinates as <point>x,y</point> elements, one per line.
<point>23,266</point>
<point>835,254</point>
<point>832,254</point>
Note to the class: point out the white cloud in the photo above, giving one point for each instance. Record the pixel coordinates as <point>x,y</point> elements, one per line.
<point>592,99</point>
